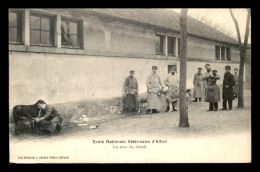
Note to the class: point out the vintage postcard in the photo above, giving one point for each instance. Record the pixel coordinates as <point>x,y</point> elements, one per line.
<point>143,85</point>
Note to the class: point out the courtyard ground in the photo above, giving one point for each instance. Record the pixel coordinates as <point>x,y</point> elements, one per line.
<point>222,136</point>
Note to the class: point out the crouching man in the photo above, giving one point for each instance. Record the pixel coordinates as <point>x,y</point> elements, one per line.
<point>49,119</point>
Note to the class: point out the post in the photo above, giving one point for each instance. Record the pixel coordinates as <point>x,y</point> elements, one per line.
<point>58,31</point>
<point>27,27</point>
<point>184,122</point>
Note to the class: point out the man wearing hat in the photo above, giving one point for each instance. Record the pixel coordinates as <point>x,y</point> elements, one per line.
<point>131,90</point>
<point>198,85</point>
<point>154,88</point>
<point>212,91</point>
<point>209,72</point>
<point>228,94</point>
<point>172,94</point>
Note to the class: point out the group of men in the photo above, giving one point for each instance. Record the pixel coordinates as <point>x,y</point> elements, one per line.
<point>155,88</point>
<point>205,86</point>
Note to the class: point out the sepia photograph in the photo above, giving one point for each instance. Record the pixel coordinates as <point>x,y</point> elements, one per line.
<point>129,85</point>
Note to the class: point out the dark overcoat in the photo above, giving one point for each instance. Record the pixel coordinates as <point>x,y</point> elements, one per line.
<point>228,93</point>
<point>212,91</point>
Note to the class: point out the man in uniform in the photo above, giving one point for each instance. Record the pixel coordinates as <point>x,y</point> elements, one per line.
<point>205,76</point>
<point>172,94</point>
<point>228,94</point>
<point>198,85</point>
<point>131,90</point>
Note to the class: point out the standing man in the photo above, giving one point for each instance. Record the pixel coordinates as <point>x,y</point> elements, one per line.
<point>236,78</point>
<point>49,119</point>
<point>131,90</point>
<point>198,85</point>
<point>228,94</point>
<point>213,92</point>
<point>172,94</point>
<point>154,87</point>
<point>205,76</point>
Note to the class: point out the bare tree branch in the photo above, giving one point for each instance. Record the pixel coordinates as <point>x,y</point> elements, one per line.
<point>237,27</point>
<point>247,28</point>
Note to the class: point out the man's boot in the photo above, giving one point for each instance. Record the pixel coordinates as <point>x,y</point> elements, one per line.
<point>196,100</point>
<point>167,109</point>
<point>200,99</point>
<point>154,111</point>
<point>173,107</point>
<point>210,107</point>
<point>148,111</point>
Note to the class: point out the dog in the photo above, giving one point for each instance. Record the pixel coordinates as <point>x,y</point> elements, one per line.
<point>188,97</point>
<point>25,112</point>
<point>143,101</point>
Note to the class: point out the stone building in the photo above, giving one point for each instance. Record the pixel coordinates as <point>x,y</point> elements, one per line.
<point>73,55</point>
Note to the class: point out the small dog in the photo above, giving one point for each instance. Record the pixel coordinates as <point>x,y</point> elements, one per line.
<point>188,97</point>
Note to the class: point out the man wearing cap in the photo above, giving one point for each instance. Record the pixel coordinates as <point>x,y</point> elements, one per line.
<point>172,94</point>
<point>49,119</point>
<point>154,89</point>
<point>131,90</point>
<point>212,92</point>
<point>236,78</point>
<point>198,85</point>
<point>228,94</point>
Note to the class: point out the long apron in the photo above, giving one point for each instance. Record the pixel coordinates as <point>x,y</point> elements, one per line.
<point>198,87</point>
<point>154,101</point>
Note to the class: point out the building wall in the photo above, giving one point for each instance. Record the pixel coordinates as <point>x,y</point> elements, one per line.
<point>111,49</point>
<point>205,50</point>
<point>63,78</point>
<point>115,38</point>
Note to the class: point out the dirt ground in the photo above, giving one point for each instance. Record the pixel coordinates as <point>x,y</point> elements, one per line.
<point>203,124</point>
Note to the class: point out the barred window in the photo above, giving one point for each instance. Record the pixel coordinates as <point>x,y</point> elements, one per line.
<point>179,47</point>
<point>159,44</point>
<point>41,30</point>
<point>171,46</point>
<point>15,27</point>
<point>228,54</point>
<point>222,53</point>
<point>217,50</point>
<point>71,35</point>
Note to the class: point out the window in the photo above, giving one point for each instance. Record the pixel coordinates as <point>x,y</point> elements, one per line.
<point>179,47</point>
<point>171,45</point>
<point>159,44</point>
<point>15,27</point>
<point>41,30</point>
<point>222,53</point>
<point>217,50</point>
<point>71,33</point>
<point>228,54</point>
